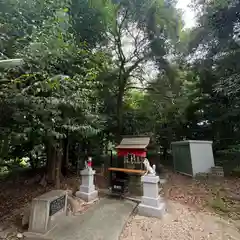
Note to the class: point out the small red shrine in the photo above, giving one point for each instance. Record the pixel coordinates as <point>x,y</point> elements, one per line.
<point>135,145</point>
<point>133,150</point>
<point>131,153</point>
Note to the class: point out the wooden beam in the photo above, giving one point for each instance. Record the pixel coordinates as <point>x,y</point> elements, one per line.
<point>127,170</point>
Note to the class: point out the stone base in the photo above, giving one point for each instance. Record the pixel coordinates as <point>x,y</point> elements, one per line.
<point>149,211</point>
<point>162,180</point>
<point>87,197</point>
<point>35,236</point>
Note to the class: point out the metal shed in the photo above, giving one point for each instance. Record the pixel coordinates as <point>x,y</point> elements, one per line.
<point>192,157</point>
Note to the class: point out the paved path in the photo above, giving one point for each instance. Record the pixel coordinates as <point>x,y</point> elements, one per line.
<point>104,221</point>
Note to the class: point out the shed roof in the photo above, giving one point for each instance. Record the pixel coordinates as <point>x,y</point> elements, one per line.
<point>134,142</point>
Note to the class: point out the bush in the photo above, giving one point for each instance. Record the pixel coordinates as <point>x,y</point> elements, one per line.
<point>236,171</point>
<point>228,160</point>
<point>218,204</point>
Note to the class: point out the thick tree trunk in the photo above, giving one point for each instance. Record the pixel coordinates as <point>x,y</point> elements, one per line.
<point>58,168</point>
<point>106,144</point>
<point>120,113</point>
<point>32,162</point>
<point>51,163</point>
<point>65,160</point>
<point>165,153</point>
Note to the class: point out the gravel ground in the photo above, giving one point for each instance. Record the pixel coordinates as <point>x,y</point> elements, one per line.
<point>180,223</point>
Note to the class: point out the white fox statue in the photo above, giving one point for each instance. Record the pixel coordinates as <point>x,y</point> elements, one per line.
<point>150,170</point>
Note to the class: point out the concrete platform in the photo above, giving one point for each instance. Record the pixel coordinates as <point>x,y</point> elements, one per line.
<point>104,221</point>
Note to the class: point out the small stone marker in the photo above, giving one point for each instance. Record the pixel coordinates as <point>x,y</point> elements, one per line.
<point>87,190</point>
<point>46,211</point>
<point>152,204</point>
<point>217,171</point>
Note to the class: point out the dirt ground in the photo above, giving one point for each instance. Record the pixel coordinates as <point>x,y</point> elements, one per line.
<point>16,194</point>
<point>221,195</point>
<point>180,223</point>
<point>197,210</point>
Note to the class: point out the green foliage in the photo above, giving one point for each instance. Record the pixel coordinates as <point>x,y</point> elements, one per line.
<point>76,86</point>
<point>51,97</point>
<point>212,59</point>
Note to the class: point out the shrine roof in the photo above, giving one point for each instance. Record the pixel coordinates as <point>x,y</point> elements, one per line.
<point>134,142</point>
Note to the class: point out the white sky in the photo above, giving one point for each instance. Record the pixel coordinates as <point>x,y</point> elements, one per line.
<point>189,15</point>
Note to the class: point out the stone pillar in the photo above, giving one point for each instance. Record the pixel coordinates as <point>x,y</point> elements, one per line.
<point>152,205</point>
<point>87,190</point>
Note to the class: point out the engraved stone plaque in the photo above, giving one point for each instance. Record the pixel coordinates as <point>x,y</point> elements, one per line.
<point>56,205</point>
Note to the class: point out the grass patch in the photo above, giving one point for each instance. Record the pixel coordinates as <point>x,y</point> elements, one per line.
<point>219,205</point>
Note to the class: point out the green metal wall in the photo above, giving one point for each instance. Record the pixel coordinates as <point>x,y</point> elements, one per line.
<point>182,158</point>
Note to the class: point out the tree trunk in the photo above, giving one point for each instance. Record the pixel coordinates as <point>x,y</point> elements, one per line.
<point>106,144</point>
<point>51,162</point>
<point>165,153</point>
<point>120,112</point>
<point>65,160</point>
<point>58,168</point>
<point>32,162</point>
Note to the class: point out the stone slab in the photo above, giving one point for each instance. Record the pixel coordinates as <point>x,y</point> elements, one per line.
<point>51,195</point>
<point>104,221</point>
<point>149,211</point>
<point>87,197</point>
<point>162,180</point>
<point>150,178</point>
<point>153,202</point>
<point>35,236</point>
<point>43,215</point>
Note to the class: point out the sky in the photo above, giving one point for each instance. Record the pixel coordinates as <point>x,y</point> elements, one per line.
<point>188,16</point>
